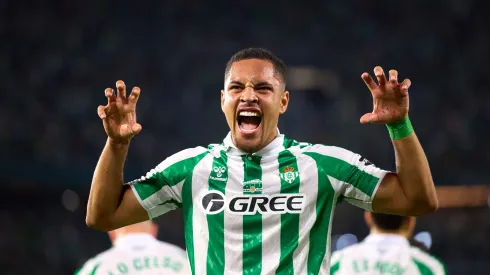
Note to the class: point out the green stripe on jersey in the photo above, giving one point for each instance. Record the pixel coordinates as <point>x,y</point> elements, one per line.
<point>188,210</point>
<point>252,224</point>
<point>289,142</point>
<point>335,268</point>
<point>215,263</point>
<point>424,269</point>
<point>288,172</point>
<point>346,172</point>
<point>320,231</point>
<point>94,270</point>
<point>170,176</point>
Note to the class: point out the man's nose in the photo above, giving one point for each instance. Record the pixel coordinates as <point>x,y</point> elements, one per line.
<point>248,95</point>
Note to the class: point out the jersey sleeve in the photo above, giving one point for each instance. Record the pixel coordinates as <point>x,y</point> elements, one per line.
<point>160,190</point>
<point>353,177</point>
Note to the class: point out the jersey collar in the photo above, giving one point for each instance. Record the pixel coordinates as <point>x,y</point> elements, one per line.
<point>134,240</point>
<point>274,147</point>
<point>386,238</point>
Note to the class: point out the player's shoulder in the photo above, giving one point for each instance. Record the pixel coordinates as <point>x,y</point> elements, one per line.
<point>93,264</point>
<point>330,151</point>
<point>341,253</point>
<point>189,153</point>
<point>104,255</point>
<point>428,260</point>
<point>194,154</point>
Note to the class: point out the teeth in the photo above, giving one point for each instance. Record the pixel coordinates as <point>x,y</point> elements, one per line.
<point>244,113</point>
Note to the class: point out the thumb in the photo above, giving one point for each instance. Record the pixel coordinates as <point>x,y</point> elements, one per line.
<point>136,128</point>
<point>368,118</point>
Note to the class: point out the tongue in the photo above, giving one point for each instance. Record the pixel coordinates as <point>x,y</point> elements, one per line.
<point>249,123</point>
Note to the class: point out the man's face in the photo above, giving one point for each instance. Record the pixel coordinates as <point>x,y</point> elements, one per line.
<point>252,101</point>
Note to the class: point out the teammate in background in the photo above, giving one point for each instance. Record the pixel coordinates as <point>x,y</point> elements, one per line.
<point>386,250</point>
<point>259,202</point>
<point>137,251</point>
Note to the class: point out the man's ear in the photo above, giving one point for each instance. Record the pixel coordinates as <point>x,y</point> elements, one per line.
<point>222,99</point>
<point>368,218</point>
<point>284,102</point>
<point>112,235</point>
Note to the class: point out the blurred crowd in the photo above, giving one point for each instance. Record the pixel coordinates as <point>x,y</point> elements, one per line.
<point>57,57</point>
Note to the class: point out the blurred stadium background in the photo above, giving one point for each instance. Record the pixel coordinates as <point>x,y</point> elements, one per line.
<point>57,57</point>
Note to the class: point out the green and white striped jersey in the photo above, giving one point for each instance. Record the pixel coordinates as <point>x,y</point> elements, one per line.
<point>387,254</point>
<point>138,254</point>
<point>269,212</point>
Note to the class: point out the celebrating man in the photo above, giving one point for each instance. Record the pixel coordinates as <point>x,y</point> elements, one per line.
<point>259,202</point>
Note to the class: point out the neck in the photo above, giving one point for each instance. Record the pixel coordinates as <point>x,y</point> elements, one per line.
<point>266,142</point>
<point>132,238</point>
<point>401,232</point>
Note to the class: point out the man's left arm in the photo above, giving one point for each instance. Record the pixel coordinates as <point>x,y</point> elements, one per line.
<point>410,191</point>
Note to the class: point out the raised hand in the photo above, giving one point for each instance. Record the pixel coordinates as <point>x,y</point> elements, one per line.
<point>390,98</point>
<point>119,115</point>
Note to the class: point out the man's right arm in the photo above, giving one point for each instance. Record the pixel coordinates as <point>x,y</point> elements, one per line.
<point>112,205</point>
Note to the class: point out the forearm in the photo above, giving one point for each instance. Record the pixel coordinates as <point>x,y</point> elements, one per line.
<point>107,185</point>
<point>414,174</point>
<point>463,196</point>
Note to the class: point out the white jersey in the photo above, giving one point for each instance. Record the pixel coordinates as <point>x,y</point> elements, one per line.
<point>269,212</point>
<point>138,254</point>
<point>385,254</point>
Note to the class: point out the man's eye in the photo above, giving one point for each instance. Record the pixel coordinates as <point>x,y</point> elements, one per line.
<point>234,87</point>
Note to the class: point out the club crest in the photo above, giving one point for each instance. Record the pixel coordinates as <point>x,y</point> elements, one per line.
<point>288,174</point>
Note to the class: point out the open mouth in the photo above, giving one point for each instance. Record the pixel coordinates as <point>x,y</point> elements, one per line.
<point>249,121</point>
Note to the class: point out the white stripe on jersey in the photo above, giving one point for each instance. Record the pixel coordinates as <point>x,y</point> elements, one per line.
<point>233,225</point>
<point>271,241</point>
<point>308,173</point>
<point>200,232</point>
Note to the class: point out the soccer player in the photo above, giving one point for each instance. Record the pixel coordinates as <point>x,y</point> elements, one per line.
<point>259,202</point>
<point>386,250</point>
<point>137,251</point>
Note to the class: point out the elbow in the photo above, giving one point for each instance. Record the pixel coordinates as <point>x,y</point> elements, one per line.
<point>431,201</point>
<point>424,202</point>
<point>422,207</point>
<point>97,223</point>
<point>430,207</point>
<point>433,205</point>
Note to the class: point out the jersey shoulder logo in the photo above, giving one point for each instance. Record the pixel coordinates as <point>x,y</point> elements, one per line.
<point>288,174</point>
<point>219,170</point>
<point>219,173</point>
<point>365,161</point>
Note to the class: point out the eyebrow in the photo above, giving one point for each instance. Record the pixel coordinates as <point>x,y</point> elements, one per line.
<point>236,83</point>
<point>262,83</point>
